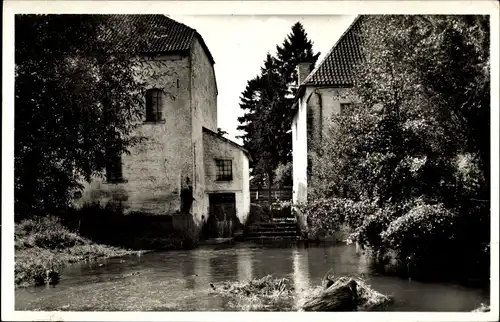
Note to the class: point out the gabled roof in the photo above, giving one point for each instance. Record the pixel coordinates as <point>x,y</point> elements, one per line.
<point>220,137</point>
<point>337,68</point>
<point>153,34</point>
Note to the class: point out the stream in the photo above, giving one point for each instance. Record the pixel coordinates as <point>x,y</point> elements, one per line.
<point>180,280</point>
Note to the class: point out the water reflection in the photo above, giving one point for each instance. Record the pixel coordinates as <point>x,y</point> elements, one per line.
<point>189,272</point>
<point>300,272</point>
<point>180,280</point>
<point>245,269</point>
<point>223,266</point>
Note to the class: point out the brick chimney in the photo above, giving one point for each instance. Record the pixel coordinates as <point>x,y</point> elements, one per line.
<point>303,70</point>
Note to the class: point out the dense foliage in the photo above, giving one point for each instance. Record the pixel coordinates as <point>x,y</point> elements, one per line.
<point>407,167</point>
<point>267,100</point>
<point>75,97</point>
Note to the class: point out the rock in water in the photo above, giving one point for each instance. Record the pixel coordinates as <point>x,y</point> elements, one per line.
<point>341,296</point>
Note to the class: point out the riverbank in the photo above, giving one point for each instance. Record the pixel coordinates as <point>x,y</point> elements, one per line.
<point>43,244</point>
<point>389,265</point>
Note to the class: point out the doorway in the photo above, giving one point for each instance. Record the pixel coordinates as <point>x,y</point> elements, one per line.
<point>222,216</point>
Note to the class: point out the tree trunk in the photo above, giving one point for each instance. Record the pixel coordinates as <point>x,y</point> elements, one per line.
<point>341,296</point>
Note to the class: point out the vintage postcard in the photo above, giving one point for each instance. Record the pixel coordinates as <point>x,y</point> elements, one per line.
<point>232,160</point>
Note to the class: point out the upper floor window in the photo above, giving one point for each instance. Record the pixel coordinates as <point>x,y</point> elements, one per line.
<point>224,170</point>
<point>153,105</point>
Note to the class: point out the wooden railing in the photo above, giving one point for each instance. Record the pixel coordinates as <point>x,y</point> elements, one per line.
<point>277,194</point>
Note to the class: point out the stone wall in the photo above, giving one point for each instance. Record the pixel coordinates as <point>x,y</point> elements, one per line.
<point>204,114</point>
<point>155,170</point>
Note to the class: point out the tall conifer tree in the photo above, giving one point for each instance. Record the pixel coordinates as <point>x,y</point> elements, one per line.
<point>267,102</point>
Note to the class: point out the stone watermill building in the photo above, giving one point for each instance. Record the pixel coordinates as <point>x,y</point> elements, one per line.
<point>184,167</point>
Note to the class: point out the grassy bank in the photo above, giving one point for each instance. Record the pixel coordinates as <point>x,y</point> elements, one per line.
<point>43,243</point>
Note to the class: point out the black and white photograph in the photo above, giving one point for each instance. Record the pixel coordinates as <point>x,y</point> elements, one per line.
<point>173,160</point>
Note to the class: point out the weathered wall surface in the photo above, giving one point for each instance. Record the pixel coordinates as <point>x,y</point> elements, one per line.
<point>176,153</point>
<point>204,114</point>
<point>216,148</point>
<point>203,87</point>
<point>331,98</point>
<point>155,169</point>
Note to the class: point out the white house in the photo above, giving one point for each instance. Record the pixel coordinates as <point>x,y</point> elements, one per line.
<point>321,93</point>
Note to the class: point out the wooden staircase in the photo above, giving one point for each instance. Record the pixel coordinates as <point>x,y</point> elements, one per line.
<point>281,228</point>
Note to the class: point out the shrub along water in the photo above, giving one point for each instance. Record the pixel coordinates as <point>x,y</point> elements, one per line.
<point>44,245</point>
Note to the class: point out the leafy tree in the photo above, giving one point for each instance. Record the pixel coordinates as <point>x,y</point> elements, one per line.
<point>283,174</point>
<point>76,96</point>
<point>408,166</point>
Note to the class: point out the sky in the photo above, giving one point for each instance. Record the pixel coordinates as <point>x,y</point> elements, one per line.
<point>239,45</point>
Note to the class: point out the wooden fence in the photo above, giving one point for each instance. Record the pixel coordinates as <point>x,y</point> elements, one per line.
<point>261,196</point>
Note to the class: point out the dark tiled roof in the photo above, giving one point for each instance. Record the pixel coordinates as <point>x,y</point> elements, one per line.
<point>338,66</point>
<point>152,34</point>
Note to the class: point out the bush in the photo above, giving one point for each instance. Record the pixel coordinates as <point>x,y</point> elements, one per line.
<point>417,225</point>
<point>31,266</point>
<point>258,213</point>
<point>43,244</point>
<point>45,232</point>
<point>332,215</point>
<point>36,224</point>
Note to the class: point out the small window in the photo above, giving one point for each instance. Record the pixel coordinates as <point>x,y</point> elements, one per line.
<point>114,166</point>
<point>153,105</point>
<point>344,107</point>
<point>310,122</point>
<point>224,170</point>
